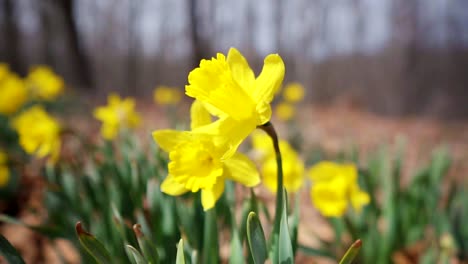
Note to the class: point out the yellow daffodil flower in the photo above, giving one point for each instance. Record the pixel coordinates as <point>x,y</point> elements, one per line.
<point>116,115</point>
<point>285,111</point>
<point>164,95</point>
<point>335,187</point>
<point>293,167</point>
<point>44,83</point>
<point>199,162</point>
<point>39,133</point>
<point>4,171</point>
<point>13,94</point>
<point>4,70</point>
<point>294,92</point>
<point>229,90</point>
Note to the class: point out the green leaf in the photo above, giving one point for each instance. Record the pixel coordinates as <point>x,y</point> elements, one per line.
<point>315,252</point>
<point>236,249</point>
<point>137,257</point>
<point>147,248</point>
<point>352,252</point>
<point>92,245</point>
<point>180,259</point>
<point>9,252</point>
<point>48,231</point>
<point>285,250</point>
<point>256,239</point>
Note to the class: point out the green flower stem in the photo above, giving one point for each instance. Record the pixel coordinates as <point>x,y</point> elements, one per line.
<point>270,130</point>
<point>210,238</point>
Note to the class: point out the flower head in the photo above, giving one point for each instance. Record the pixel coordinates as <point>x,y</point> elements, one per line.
<point>4,171</point>
<point>293,92</point>
<point>39,133</point>
<point>285,111</point>
<point>199,162</point>
<point>44,83</point>
<point>229,90</point>
<point>4,70</point>
<point>116,115</point>
<point>13,94</point>
<point>335,187</point>
<point>293,167</point>
<point>164,95</point>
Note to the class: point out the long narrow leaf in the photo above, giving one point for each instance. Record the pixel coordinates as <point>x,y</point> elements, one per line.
<point>180,259</point>
<point>92,245</point>
<point>285,250</point>
<point>352,252</point>
<point>256,239</point>
<point>9,252</point>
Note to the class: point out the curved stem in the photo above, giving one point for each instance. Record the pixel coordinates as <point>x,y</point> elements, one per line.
<point>270,130</point>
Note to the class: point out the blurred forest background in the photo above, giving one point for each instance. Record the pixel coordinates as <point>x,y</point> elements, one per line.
<point>390,56</point>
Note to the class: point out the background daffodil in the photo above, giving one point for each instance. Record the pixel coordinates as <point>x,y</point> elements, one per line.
<point>164,95</point>
<point>285,111</point>
<point>293,92</point>
<point>229,90</point>
<point>116,115</point>
<point>39,133</point>
<point>199,162</point>
<point>293,167</point>
<point>13,93</point>
<point>44,83</point>
<point>334,187</point>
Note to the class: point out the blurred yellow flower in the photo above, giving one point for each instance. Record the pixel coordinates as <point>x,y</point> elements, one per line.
<point>294,92</point>
<point>13,94</point>
<point>39,133</point>
<point>116,115</point>
<point>285,111</point>
<point>199,162</point>
<point>293,167</point>
<point>229,90</point>
<point>4,171</point>
<point>164,95</point>
<point>335,187</point>
<point>4,70</point>
<point>44,83</point>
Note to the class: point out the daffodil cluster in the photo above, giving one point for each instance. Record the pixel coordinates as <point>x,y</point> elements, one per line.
<point>203,158</point>
<point>293,166</point>
<point>293,93</point>
<point>335,187</point>
<point>39,133</point>
<point>118,114</point>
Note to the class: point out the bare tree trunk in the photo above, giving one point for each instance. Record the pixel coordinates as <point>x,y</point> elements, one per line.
<point>197,42</point>
<point>77,53</point>
<point>13,52</point>
<point>132,63</point>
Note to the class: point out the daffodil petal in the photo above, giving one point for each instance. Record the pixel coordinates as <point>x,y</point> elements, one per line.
<point>270,79</point>
<point>168,139</point>
<point>213,83</point>
<point>329,199</point>
<point>359,199</point>
<point>241,169</point>
<point>210,196</point>
<point>172,187</point>
<point>233,133</point>
<point>240,70</point>
<point>199,115</point>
